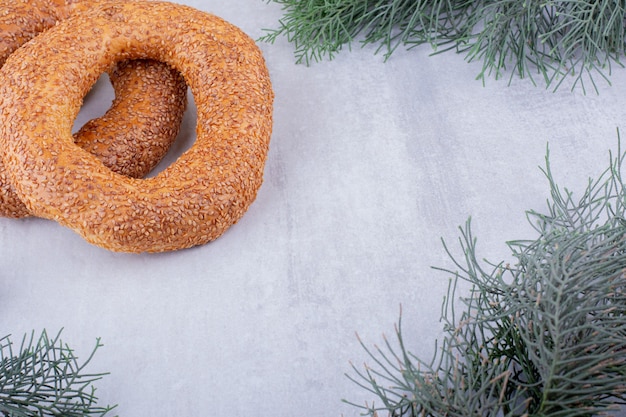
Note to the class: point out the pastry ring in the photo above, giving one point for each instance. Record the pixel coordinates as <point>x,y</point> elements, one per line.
<point>192,201</point>
<point>143,121</point>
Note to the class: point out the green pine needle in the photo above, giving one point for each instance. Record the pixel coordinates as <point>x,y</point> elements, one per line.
<point>543,337</point>
<point>548,38</point>
<point>43,377</point>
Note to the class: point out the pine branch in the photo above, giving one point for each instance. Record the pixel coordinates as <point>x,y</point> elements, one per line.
<point>45,378</point>
<point>549,38</point>
<point>543,337</point>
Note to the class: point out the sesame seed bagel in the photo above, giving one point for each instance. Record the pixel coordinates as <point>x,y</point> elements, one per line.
<point>192,201</point>
<point>145,116</point>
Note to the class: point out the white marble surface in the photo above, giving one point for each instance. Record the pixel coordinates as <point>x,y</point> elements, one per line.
<point>371,163</point>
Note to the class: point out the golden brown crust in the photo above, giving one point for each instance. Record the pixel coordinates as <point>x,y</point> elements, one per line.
<point>144,118</point>
<point>191,202</point>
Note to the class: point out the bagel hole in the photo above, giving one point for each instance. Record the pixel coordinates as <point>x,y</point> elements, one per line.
<point>95,103</point>
<point>100,98</point>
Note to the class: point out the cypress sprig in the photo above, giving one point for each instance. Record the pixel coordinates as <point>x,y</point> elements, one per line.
<point>43,377</point>
<point>546,38</point>
<point>545,336</point>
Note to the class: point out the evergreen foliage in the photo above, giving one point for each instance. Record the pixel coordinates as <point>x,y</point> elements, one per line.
<point>528,38</point>
<point>43,377</point>
<point>543,337</point>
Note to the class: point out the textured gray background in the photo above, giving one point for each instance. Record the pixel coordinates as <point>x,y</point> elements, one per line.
<point>371,163</point>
